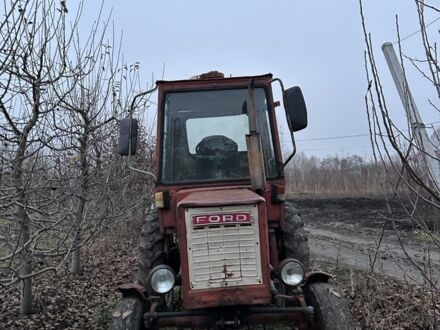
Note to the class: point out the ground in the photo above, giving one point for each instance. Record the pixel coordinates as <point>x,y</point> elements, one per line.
<point>356,231</point>
<point>64,301</point>
<point>343,234</point>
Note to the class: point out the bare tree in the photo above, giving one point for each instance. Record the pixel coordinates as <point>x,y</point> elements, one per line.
<point>34,57</point>
<point>415,187</point>
<point>61,180</point>
<point>60,176</point>
<point>97,97</point>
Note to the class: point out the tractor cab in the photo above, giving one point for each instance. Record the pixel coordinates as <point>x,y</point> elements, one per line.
<point>204,135</point>
<point>203,124</point>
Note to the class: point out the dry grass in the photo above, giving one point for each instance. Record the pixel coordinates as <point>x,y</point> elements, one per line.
<point>379,302</point>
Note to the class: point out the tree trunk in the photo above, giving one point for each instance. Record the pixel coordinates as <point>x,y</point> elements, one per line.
<point>26,292</point>
<point>76,245</point>
<point>76,262</point>
<point>24,236</point>
<point>83,191</point>
<point>25,259</point>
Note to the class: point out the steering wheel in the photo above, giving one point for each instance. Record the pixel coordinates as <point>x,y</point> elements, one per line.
<point>216,145</point>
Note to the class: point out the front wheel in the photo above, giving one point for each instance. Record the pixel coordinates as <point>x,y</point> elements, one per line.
<point>127,314</point>
<point>151,247</point>
<point>331,310</point>
<point>294,239</point>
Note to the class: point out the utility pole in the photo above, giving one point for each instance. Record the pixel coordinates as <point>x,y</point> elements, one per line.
<point>423,142</point>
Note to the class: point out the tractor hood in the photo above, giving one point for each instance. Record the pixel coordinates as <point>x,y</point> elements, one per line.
<point>220,198</point>
<point>223,241</point>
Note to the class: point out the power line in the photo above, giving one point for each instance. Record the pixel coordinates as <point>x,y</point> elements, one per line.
<point>414,33</point>
<point>333,137</point>
<point>340,148</point>
<point>355,135</point>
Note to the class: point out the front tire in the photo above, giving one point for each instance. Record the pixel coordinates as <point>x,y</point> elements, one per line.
<point>331,310</point>
<point>151,248</point>
<point>294,239</point>
<point>127,314</point>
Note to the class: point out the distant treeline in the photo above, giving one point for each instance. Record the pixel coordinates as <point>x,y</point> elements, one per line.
<point>336,175</point>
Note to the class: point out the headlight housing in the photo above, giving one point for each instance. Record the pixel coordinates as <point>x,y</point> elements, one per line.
<point>162,279</point>
<point>291,272</point>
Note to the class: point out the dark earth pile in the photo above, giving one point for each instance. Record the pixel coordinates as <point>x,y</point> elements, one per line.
<point>360,211</point>
<point>373,212</point>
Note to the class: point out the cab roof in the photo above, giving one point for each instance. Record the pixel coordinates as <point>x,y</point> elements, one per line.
<point>203,78</point>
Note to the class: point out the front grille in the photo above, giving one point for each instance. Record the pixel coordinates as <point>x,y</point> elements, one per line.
<point>223,255</point>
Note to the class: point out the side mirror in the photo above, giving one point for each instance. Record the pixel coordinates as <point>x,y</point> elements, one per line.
<point>127,140</point>
<point>295,109</point>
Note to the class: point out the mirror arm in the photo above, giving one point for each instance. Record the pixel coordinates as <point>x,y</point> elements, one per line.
<point>292,154</point>
<point>284,97</point>
<point>288,122</point>
<point>133,103</point>
<point>142,171</point>
<point>140,95</point>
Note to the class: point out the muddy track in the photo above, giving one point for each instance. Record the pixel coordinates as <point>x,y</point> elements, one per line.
<point>348,231</point>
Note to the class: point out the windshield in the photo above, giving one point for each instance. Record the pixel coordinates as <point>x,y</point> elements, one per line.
<point>205,136</point>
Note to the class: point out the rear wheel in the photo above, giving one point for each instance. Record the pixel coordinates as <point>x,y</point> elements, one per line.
<point>127,314</point>
<point>151,248</point>
<point>331,310</point>
<point>152,253</point>
<point>294,239</point>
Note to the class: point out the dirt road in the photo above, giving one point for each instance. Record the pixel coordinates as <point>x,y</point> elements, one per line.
<point>349,230</point>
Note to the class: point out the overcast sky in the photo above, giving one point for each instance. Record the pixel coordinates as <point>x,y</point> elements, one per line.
<point>317,45</point>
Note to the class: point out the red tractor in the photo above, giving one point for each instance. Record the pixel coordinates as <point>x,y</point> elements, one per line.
<point>222,249</point>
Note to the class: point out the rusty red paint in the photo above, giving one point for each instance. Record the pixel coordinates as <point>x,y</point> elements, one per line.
<point>167,217</point>
<point>206,194</point>
<point>273,248</point>
<point>206,198</point>
<point>195,84</point>
<point>206,84</point>
<point>237,295</point>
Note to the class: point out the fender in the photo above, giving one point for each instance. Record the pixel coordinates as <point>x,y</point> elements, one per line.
<point>133,290</point>
<point>316,276</point>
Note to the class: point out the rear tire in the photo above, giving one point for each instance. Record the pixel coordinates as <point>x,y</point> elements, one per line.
<point>294,239</point>
<point>127,314</point>
<point>151,248</point>
<point>331,309</point>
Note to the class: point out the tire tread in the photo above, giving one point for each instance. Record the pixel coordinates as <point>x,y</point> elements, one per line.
<point>151,247</point>
<point>295,241</point>
<point>331,309</point>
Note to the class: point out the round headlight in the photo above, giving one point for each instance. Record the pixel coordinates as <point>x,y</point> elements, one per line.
<point>162,279</point>
<point>292,272</point>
